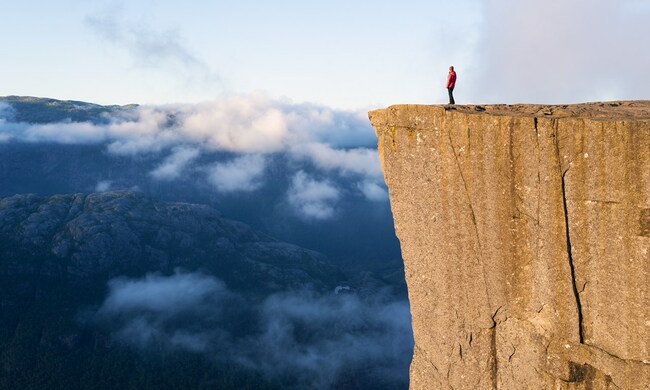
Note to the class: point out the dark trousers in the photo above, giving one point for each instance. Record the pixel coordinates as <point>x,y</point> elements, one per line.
<point>451,96</point>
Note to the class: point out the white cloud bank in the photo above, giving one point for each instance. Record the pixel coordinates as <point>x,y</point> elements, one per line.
<point>360,161</point>
<point>198,313</point>
<point>174,165</point>
<point>311,198</point>
<point>241,174</point>
<point>373,191</point>
<point>240,124</point>
<point>337,143</point>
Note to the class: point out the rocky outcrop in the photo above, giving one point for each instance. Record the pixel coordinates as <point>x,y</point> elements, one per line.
<point>83,237</point>
<point>525,233</point>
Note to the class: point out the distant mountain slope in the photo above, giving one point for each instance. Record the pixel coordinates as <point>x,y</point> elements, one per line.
<point>45,110</point>
<point>118,290</point>
<point>79,237</point>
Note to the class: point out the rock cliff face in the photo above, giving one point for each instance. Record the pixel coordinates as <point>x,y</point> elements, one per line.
<point>525,233</point>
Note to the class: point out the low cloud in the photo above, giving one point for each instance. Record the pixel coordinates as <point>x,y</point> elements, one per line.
<point>75,133</point>
<point>334,145</point>
<point>239,124</point>
<point>311,198</point>
<point>359,161</point>
<point>142,130</point>
<point>103,185</point>
<point>159,310</point>
<point>311,337</point>
<point>243,124</point>
<point>7,112</point>
<point>166,296</point>
<point>321,124</point>
<point>319,336</point>
<point>174,165</point>
<point>243,173</point>
<point>373,191</point>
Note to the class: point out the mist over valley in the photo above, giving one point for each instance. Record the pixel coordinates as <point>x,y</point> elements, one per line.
<point>172,238</point>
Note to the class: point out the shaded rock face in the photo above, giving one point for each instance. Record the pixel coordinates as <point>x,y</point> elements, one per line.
<point>525,238</point>
<point>81,238</point>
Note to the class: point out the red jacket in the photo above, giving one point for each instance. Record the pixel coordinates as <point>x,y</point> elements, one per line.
<point>451,79</point>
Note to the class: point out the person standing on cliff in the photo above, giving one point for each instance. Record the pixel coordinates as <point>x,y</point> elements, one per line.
<point>451,83</point>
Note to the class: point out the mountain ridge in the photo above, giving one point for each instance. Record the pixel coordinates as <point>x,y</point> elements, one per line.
<point>41,110</point>
<point>109,225</point>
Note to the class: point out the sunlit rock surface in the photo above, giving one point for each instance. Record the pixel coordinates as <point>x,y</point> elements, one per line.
<point>525,233</point>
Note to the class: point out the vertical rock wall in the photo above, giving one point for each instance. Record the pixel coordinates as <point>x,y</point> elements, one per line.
<point>525,233</point>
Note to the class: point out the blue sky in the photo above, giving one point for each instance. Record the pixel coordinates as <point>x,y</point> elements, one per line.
<point>344,54</point>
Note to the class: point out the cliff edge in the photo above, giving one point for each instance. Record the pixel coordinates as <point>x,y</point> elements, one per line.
<point>525,233</point>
